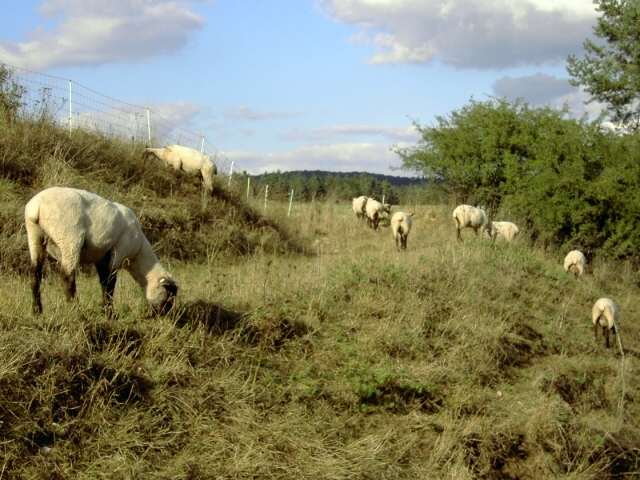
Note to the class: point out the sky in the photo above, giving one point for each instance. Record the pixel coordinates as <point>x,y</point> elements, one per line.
<point>305,84</point>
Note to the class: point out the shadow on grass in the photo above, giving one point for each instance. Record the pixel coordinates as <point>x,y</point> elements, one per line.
<point>213,317</point>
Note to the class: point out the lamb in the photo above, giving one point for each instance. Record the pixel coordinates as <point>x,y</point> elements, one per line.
<point>575,262</point>
<point>400,227</point>
<point>507,230</point>
<point>606,314</point>
<point>374,210</point>
<point>358,205</point>
<point>79,227</point>
<point>188,160</point>
<point>467,216</point>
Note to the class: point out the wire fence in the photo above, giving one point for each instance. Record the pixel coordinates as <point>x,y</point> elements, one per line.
<point>75,106</point>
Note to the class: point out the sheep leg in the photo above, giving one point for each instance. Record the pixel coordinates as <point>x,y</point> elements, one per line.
<point>605,332</point>
<point>595,332</point>
<point>69,282</point>
<point>108,279</point>
<point>403,241</point>
<point>35,285</point>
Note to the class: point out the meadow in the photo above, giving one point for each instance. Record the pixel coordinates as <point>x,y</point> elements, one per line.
<point>445,361</point>
<point>303,346</point>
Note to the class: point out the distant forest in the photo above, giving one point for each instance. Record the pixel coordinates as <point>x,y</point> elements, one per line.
<point>310,185</point>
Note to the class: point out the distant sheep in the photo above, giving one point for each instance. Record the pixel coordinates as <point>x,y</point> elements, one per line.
<point>79,227</point>
<point>507,230</point>
<point>358,205</point>
<point>575,262</point>
<point>400,227</point>
<point>606,314</point>
<point>467,216</point>
<point>374,210</point>
<point>187,160</point>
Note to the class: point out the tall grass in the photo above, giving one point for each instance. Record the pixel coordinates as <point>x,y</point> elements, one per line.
<point>445,361</point>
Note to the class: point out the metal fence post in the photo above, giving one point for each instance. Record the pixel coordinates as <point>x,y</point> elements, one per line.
<point>290,203</point>
<point>266,195</point>
<point>149,126</point>
<point>230,173</point>
<point>248,184</point>
<point>202,145</point>
<point>70,108</point>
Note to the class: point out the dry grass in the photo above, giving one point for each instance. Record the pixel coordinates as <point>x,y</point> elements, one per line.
<point>449,360</point>
<point>445,361</point>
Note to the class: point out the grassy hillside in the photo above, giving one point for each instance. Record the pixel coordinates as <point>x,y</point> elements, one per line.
<point>449,360</point>
<point>181,222</point>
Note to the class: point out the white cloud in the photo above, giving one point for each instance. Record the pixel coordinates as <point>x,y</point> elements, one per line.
<point>343,157</point>
<point>537,89</point>
<point>246,113</point>
<point>468,33</point>
<point>546,90</point>
<point>93,32</point>
<point>331,133</point>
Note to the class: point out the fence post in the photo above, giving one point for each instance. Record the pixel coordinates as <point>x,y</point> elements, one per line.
<point>383,198</point>
<point>290,203</point>
<point>230,173</point>
<point>70,108</point>
<point>266,195</point>
<point>248,184</point>
<point>149,126</point>
<point>202,145</point>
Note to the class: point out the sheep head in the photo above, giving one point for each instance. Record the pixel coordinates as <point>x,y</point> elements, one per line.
<point>161,294</point>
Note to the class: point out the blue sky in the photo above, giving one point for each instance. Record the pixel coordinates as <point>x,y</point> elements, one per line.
<point>305,84</point>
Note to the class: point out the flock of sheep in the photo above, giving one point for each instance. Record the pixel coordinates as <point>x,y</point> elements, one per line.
<point>605,312</point>
<point>76,227</point>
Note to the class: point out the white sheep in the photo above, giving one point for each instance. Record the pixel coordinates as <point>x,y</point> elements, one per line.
<point>606,314</point>
<point>507,230</point>
<point>79,227</point>
<point>467,216</point>
<point>187,160</point>
<point>575,262</point>
<point>400,227</point>
<point>374,210</point>
<point>358,205</point>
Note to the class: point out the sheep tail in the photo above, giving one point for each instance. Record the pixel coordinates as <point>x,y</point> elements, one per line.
<point>35,235</point>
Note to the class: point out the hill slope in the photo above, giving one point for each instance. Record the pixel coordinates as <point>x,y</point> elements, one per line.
<point>447,361</point>
<point>180,222</point>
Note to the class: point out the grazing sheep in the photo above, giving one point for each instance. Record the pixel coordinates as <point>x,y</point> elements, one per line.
<point>400,227</point>
<point>358,205</point>
<point>606,314</point>
<point>467,216</point>
<point>374,210</point>
<point>575,262</point>
<point>79,227</point>
<point>507,230</point>
<point>188,160</point>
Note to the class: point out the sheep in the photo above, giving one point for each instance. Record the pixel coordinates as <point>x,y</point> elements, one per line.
<point>606,314</point>
<point>358,205</point>
<point>400,227</point>
<point>507,230</point>
<point>374,210</point>
<point>79,227</point>
<point>467,216</point>
<point>188,160</point>
<point>575,262</point>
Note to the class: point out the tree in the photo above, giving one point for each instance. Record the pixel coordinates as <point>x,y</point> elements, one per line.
<point>467,149</point>
<point>610,70</point>
<point>11,94</point>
